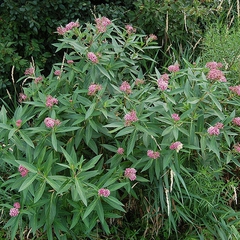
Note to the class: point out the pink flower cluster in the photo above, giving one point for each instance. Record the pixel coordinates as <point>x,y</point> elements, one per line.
<point>70,61</point>
<point>213,65</point>
<point>162,82</point>
<point>130,117</point>
<point>130,29</point>
<point>130,173</point>
<point>93,88</point>
<point>152,154</point>
<point>103,192</point>
<point>237,147</point>
<point>175,117</point>
<point>92,57</point>
<point>22,97</point>
<point>236,121</point>
<point>29,71</point>
<point>102,24</point>
<point>174,68</point>
<point>50,101</point>
<point>125,87</point>
<point>38,79</point>
<point>215,130</point>
<point>19,123</point>
<point>57,72</point>
<point>152,37</point>
<point>15,210</point>
<point>235,89</point>
<point>216,74</point>
<point>50,123</point>
<point>23,171</point>
<point>68,27</point>
<point>139,81</point>
<point>120,151</point>
<point>176,146</point>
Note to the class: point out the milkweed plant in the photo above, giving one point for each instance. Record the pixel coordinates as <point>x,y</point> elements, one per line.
<point>102,129</point>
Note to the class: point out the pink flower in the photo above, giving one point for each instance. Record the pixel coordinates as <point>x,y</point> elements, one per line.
<point>50,123</point>
<point>70,61</point>
<point>176,146</point>
<point>153,154</point>
<point>219,125</point>
<point>215,74</point>
<point>103,192</point>
<point>125,87</point>
<point>17,205</point>
<point>57,72</point>
<point>130,173</point>
<point>68,27</point>
<point>22,97</point>
<point>213,130</point>
<point>139,81</point>
<point>173,68</point>
<point>235,89</point>
<point>130,117</point>
<point>29,71</point>
<point>61,30</point>
<point>236,121</point>
<point>19,123</point>
<point>152,37</point>
<point>13,212</point>
<point>162,85</point>
<point>50,101</point>
<point>92,57</point>
<point>175,117</point>
<point>237,147</point>
<point>102,23</point>
<point>165,77</point>
<point>38,79</point>
<point>213,65</point>
<point>71,25</point>
<point>130,29</point>
<point>23,171</point>
<point>120,151</point>
<point>93,88</point>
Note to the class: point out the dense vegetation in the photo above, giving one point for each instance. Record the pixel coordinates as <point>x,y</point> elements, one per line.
<point>119,121</point>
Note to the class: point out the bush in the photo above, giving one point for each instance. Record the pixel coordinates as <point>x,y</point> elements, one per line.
<point>100,140</point>
<point>221,44</point>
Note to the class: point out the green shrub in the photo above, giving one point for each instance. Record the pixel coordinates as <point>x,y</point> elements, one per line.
<point>222,45</point>
<point>100,140</point>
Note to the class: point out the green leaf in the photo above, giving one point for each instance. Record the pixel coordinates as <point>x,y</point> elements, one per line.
<point>27,182</point>
<point>91,163</point>
<point>26,138</point>
<point>40,191</point>
<point>75,219</point>
<point>193,100</point>
<point>114,202</point>
<point>90,111</point>
<point>132,141</point>
<point>100,212</point>
<point>90,208</point>
<point>125,131</point>
<point>3,116</point>
<point>103,71</point>
<point>68,158</point>
<point>5,126</point>
<point>109,147</point>
<point>80,191</point>
<point>54,140</point>
<point>53,183</point>
<point>216,102</point>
